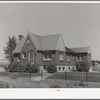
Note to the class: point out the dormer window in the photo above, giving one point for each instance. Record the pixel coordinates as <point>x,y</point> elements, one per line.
<point>28,41</point>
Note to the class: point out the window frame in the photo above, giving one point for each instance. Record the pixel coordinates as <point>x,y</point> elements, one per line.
<point>61,58</point>
<point>80,57</point>
<point>68,58</point>
<point>24,55</point>
<point>28,40</point>
<point>30,57</point>
<point>47,55</point>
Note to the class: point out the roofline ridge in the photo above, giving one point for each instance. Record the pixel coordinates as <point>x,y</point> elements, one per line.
<point>51,34</point>
<point>80,47</point>
<point>32,33</point>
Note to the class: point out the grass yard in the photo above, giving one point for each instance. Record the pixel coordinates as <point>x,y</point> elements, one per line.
<point>7,82</point>
<point>56,80</point>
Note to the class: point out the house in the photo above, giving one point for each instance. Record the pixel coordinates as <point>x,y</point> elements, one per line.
<point>95,66</point>
<point>49,49</point>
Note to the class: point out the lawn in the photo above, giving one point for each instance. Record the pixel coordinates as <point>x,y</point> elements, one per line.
<point>7,82</point>
<point>57,80</point>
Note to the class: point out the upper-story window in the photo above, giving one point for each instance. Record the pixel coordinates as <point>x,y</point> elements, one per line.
<point>47,55</point>
<point>80,58</point>
<point>73,57</point>
<point>24,55</point>
<point>89,57</point>
<point>28,41</point>
<point>68,57</point>
<point>61,56</point>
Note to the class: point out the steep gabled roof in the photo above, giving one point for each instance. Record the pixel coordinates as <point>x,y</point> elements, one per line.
<point>20,45</point>
<point>48,42</point>
<point>69,50</point>
<point>36,39</point>
<point>81,50</point>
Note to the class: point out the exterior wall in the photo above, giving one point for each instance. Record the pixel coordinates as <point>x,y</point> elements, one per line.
<point>55,60</point>
<point>65,68</point>
<point>65,62</point>
<point>27,48</point>
<point>38,58</point>
<point>87,58</point>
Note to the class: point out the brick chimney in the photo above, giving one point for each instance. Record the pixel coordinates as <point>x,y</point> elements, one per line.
<point>20,37</point>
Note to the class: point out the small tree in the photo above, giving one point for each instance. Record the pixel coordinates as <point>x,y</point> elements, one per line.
<point>8,50</point>
<point>83,66</point>
<point>51,68</point>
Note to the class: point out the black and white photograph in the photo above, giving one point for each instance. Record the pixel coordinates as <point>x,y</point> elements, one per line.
<point>50,45</point>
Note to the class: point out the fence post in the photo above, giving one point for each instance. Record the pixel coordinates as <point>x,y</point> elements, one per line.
<point>65,75</point>
<point>86,76</point>
<point>41,74</point>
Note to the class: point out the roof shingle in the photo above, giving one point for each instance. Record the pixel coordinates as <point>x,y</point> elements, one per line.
<point>80,49</point>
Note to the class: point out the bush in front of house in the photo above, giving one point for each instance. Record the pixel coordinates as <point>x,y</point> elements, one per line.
<point>13,67</point>
<point>27,68</point>
<point>16,67</point>
<point>34,68</point>
<point>51,68</point>
<point>83,66</point>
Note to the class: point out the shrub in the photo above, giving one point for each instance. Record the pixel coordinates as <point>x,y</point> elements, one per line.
<point>13,67</point>
<point>27,68</point>
<point>16,67</point>
<point>51,68</point>
<point>34,68</point>
<point>83,66</point>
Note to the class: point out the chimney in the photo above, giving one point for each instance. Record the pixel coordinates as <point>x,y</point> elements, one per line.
<point>20,37</point>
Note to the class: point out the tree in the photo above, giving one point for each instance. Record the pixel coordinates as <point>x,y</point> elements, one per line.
<point>83,66</point>
<point>8,50</point>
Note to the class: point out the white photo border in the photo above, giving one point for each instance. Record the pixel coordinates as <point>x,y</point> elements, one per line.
<point>50,93</point>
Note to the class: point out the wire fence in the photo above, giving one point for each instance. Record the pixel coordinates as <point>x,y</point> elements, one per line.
<point>84,76</point>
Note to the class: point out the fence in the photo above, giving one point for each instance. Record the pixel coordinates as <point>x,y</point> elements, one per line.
<point>84,76</point>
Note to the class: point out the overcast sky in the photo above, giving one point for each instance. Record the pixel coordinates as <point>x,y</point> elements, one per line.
<point>78,23</point>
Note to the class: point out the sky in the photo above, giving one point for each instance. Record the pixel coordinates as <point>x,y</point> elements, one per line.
<point>78,23</point>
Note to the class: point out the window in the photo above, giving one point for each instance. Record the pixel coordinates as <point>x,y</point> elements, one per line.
<point>61,56</point>
<point>31,57</point>
<point>17,57</point>
<point>69,68</point>
<point>82,57</point>
<point>73,58</point>
<point>78,58</point>
<point>63,68</point>
<point>47,55</point>
<point>89,57</point>
<point>28,41</point>
<point>59,68</point>
<point>24,55</point>
<point>68,58</point>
